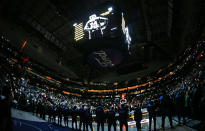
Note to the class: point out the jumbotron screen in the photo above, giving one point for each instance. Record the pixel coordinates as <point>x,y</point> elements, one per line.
<point>103,36</point>
<point>104,22</point>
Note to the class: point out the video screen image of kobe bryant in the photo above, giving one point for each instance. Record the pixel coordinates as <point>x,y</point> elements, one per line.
<point>103,22</point>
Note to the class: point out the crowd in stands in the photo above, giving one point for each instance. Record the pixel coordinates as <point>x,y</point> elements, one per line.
<point>184,99</point>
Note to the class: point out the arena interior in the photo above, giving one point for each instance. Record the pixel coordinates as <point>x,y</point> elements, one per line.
<point>102,65</point>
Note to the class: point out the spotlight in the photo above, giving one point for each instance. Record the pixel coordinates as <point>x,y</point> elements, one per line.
<point>74,24</point>
<point>110,9</point>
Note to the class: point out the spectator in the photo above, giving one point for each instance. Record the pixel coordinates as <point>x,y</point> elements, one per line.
<point>74,117</point>
<point>151,108</point>
<point>65,115</point>
<point>123,117</point>
<point>111,119</point>
<point>59,111</point>
<point>138,117</point>
<point>82,117</point>
<point>166,108</point>
<point>100,117</point>
<point>89,119</point>
<point>179,104</point>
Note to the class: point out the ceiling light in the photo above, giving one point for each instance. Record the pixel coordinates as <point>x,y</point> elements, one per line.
<point>74,24</point>
<point>110,9</point>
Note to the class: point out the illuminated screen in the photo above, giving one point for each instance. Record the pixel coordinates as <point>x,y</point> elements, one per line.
<point>104,23</point>
<point>103,36</point>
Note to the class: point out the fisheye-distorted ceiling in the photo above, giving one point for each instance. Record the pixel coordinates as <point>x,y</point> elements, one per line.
<point>160,31</point>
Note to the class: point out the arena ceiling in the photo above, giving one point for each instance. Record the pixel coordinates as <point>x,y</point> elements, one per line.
<point>162,29</point>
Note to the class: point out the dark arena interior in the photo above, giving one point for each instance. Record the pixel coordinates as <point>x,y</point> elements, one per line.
<point>102,65</point>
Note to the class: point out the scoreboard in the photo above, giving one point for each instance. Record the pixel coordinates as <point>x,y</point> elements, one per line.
<point>102,35</point>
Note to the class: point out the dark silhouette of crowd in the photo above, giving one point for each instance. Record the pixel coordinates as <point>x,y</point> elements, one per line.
<point>82,114</point>
<point>183,98</point>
